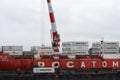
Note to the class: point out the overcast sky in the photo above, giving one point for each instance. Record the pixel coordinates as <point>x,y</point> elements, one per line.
<point>26,22</point>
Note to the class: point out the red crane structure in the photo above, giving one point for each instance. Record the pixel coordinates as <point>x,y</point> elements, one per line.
<point>54,33</point>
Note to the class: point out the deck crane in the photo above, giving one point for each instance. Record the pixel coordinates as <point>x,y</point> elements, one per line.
<point>54,33</point>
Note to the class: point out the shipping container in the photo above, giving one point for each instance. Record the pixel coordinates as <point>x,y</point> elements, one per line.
<point>75,52</point>
<point>108,47</point>
<point>80,43</point>
<point>117,56</point>
<point>12,48</point>
<point>66,44</point>
<point>75,43</point>
<point>13,52</point>
<point>46,50</point>
<point>75,48</point>
<point>96,45</point>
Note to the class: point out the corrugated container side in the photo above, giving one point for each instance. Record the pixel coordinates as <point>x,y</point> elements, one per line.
<point>45,52</point>
<point>108,47</point>
<point>12,48</point>
<point>75,52</point>
<point>80,43</point>
<point>13,52</point>
<point>77,47</point>
<point>75,43</point>
<point>111,56</point>
<point>42,50</point>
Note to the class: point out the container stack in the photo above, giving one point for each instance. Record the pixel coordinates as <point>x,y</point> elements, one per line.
<point>12,50</point>
<point>75,48</point>
<point>108,47</point>
<point>111,47</point>
<point>96,48</point>
<point>42,50</point>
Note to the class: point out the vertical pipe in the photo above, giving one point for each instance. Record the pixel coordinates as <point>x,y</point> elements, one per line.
<point>101,48</point>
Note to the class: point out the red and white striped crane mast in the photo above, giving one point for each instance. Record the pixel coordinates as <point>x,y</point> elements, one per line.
<point>54,33</point>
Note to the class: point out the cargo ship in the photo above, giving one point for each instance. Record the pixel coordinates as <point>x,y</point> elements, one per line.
<point>74,63</point>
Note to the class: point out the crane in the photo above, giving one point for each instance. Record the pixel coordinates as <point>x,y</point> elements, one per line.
<point>55,37</point>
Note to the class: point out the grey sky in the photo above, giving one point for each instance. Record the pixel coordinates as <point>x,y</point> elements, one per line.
<point>26,22</point>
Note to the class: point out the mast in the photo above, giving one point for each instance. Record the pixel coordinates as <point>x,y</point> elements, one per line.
<point>101,48</point>
<point>55,37</point>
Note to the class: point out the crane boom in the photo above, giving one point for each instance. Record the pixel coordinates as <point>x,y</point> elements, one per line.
<point>55,37</point>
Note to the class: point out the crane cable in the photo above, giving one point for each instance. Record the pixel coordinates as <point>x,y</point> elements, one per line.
<point>42,22</point>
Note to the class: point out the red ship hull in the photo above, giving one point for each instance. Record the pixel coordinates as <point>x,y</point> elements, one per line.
<point>9,63</point>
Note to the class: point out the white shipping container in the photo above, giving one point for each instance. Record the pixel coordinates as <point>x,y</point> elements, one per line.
<point>96,45</point>
<point>66,49</point>
<point>111,52</point>
<point>67,53</point>
<point>112,48</point>
<point>112,43</point>
<point>75,52</point>
<point>116,56</point>
<point>106,52</point>
<point>66,44</point>
<point>78,48</point>
<point>108,47</point>
<point>45,52</point>
<point>77,43</point>
<point>12,48</point>
<point>13,52</point>
<point>106,44</point>
<point>38,48</point>
<point>80,43</point>
<point>42,50</point>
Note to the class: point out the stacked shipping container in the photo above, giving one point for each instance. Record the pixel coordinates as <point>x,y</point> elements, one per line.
<point>42,50</point>
<point>108,47</point>
<point>75,48</point>
<point>12,50</point>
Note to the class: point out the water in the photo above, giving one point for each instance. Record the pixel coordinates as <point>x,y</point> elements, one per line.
<point>63,77</point>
